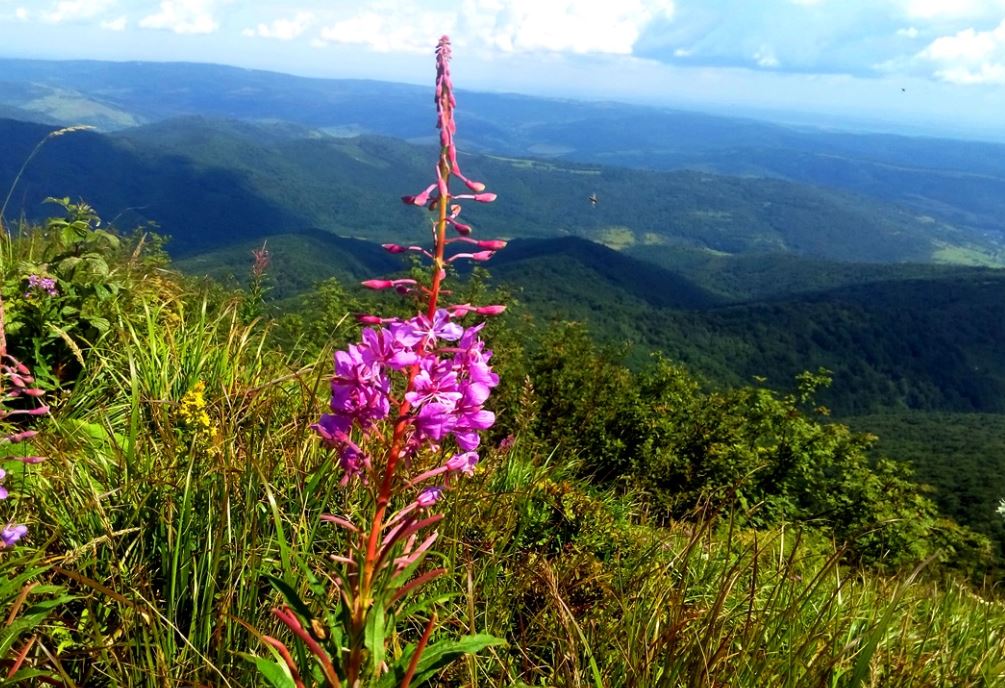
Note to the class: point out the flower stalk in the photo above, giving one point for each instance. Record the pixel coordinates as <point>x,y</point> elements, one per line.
<point>407,410</point>
<point>18,398</point>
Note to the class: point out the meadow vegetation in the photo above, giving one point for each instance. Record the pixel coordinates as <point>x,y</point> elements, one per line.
<point>626,528</point>
<point>191,497</point>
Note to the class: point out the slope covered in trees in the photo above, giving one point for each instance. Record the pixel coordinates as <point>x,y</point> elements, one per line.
<point>961,182</point>
<point>181,173</point>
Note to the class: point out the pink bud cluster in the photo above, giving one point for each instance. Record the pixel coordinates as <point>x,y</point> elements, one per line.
<point>406,412</point>
<point>444,366</point>
<point>17,386</point>
<point>431,196</point>
<point>261,258</point>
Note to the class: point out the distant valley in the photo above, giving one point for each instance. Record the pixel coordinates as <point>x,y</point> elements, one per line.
<point>748,251</point>
<point>857,266</point>
<point>209,182</point>
<point>960,182</point>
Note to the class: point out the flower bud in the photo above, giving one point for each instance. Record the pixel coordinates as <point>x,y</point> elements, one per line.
<point>491,244</point>
<point>18,437</point>
<point>460,310</point>
<point>28,459</point>
<point>490,310</point>
<point>420,198</point>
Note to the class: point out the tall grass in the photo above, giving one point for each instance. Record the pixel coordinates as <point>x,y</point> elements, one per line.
<point>619,603</point>
<point>164,529</point>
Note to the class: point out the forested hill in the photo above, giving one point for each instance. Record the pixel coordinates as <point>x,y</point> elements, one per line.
<point>209,183</point>
<point>896,336</point>
<point>919,342</point>
<point>962,182</point>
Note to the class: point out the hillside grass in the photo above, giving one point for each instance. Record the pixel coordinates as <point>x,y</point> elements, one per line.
<point>182,473</point>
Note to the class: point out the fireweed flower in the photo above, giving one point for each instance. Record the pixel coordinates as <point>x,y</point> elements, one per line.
<point>16,385</point>
<point>11,534</point>
<point>407,405</point>
<point>261,259</point>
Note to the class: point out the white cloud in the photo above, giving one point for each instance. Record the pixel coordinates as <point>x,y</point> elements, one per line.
<point>118,24</point>
<point>183,16</point>
<point>987,73</point>
<point>386,26</point>
<point>952,9</point>
<point>74,10</point>
<point>283,29</point>
<point>968,56</point>
<point>509,26</point>
<point>765,57</point>
<point>21,13</point>
<point>968,46</point>
<point>908,32</point>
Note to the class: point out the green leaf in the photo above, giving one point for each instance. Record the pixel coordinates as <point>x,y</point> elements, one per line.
<point>423,604</point>
<point>25,676</point>
<point>291,597</point>
<point>374,634</point>
<point>277,675</point>
<point>435,658</point>
<point>68,265</point>
<point>100,324</point>
<point>107,237</point>
<point>98,265</point>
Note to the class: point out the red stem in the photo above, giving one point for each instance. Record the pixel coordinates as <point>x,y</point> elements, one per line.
<point>21,654</point>
<point>285,654</point>
<point>386,491</point>
<point>420,648</point>
<point>290,619</point>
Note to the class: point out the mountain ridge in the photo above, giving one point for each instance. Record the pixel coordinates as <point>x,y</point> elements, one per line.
<point>916,172</point>
<point>210,181</point>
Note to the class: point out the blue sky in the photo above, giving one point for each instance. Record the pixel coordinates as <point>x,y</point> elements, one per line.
<point>926,65</point>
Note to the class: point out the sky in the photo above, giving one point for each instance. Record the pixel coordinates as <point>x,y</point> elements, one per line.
<point>921,66</point>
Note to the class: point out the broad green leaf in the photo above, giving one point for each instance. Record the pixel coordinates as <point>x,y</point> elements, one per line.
<point>100,324</point>
<point>435,658</point>
<point>69,264</point>
<point>374,634</point>
<point>291,597</point>
<point>277,675</point>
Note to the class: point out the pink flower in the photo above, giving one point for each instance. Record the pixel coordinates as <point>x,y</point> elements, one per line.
<point>11,534</point>
<point>490,310</point>
<point>464,463</point>
<point>429,496</point>
<point>420,198</point>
